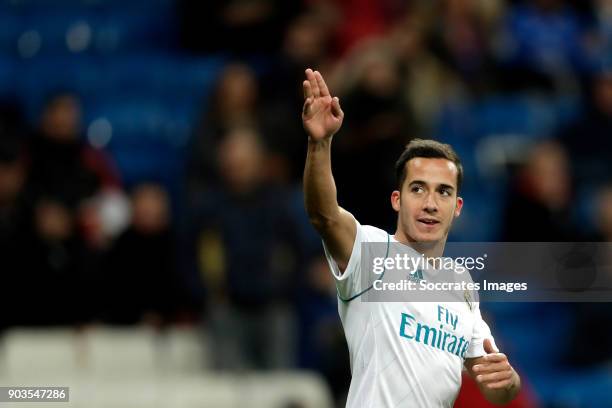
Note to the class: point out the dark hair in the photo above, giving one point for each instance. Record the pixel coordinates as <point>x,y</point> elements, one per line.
<point>429,149</point>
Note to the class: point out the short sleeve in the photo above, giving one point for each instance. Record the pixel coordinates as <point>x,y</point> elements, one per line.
<point>480,333</point>
<point>349,282</point>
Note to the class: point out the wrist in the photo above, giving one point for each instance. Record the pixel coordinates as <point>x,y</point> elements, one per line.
<point>319,143</point>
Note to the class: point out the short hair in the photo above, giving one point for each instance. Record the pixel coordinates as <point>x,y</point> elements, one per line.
<point>429,149</point>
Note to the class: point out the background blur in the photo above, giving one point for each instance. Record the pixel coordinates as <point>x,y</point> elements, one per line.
<point>155,250</point>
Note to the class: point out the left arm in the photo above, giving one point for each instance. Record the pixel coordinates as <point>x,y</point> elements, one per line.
<point>496,379</point>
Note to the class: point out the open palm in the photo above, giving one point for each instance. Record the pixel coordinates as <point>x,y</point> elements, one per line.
<point>321,116</point>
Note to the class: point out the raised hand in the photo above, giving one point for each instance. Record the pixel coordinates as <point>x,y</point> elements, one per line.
<point>322,115</point>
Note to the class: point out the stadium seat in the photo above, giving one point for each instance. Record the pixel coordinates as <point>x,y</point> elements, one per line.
<point>467,122</point>
<point>480,217</point>
<point>42,353</point>
<point>183,351</point>
<point>220,391</point>
<point>138,367</point>
<point>120,353</point>
<point>285,389</point>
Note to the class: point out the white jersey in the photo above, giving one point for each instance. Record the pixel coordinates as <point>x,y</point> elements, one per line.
<point>403,354</point>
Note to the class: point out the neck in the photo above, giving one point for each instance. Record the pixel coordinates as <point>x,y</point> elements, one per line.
<point>433,249</point>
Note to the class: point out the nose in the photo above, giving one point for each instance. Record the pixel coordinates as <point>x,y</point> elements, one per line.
<point>430,205</point>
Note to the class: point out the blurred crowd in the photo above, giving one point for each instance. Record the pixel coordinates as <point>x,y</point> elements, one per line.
<point>227,244</point>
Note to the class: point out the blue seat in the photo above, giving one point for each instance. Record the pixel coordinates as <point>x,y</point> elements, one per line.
<point>148,137</point>
<point>147,163</point>
<point>126,30</point>
<point>480,218</point>
<point>11,27</point>
<point>8,73</point>
<point>515,114</point>
<point>39,77</point>
<point>53,26</point>
<point>141,123</point>
<point>111,30</point>
<point>184,80</point>
<point>146,6</point>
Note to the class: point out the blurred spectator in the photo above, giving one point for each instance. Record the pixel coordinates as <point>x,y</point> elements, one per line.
<point>538,209</point>
<point>234,102</point>
<point>13,173</point>
<point>591,339</point>
<point>428,84</point>
<point>55,279</point>
<point>247,247</point>
<point>322,342</point>
<point>61,261</point>
<point>539,203</point>
<point>62,166</point>
<point>14,220</point>
<point>306,44</point>
<point>356,21</point>
<point>142,283</point>
<point>379,126</point>
<point>599,40</point>
<point>588,140</point>
<point>240,26</point>
<point>461,35</point>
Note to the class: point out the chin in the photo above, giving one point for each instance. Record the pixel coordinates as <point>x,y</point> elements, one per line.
<point>429,239</point>
<point>430,236</point>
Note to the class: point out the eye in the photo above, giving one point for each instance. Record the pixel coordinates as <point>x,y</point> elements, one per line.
<point>416,189</point>
<point>445,192</point>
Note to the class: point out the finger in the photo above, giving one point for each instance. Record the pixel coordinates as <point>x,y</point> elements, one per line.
<point>307,106</point>
<point>499,384</point>
<point>307,89</point>
<point>313,82</point>
<point>492,367</point>
<point>494,357</point>
<point>489,347</point>
<point>336,110</point>
<point>321,83</point>
<point>493,377</point>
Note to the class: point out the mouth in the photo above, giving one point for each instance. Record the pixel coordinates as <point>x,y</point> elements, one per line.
<point>429,222</point>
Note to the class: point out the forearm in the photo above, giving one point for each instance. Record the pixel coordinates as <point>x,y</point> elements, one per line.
<point>320,194</point>
<point>502,396</point>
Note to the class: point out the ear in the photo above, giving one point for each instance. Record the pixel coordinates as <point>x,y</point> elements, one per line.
<point>458,207</point>
<point>395,200</point>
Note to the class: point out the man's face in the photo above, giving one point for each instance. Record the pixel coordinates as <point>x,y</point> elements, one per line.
<point>428,201</point>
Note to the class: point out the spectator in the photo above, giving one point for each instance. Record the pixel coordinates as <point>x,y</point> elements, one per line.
<point>428,83</point>
<point>357,21</point>
<point>14,220</point>
<point>591,341</point>
<point>247,246</point>
<point>539,204</point>
<point>322,342</point>
<point>64,173</point>
<point>234,102</point>
<point>141,275</point>
<point>461,35</point>
<point>588,139</point>
<point>63,167</point>
<point>306,43</point>
<point>379,126</point>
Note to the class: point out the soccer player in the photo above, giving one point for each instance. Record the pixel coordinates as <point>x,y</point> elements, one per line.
<point>395,358</point>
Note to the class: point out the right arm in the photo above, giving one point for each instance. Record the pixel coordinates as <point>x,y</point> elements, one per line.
<point>322,118</point>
